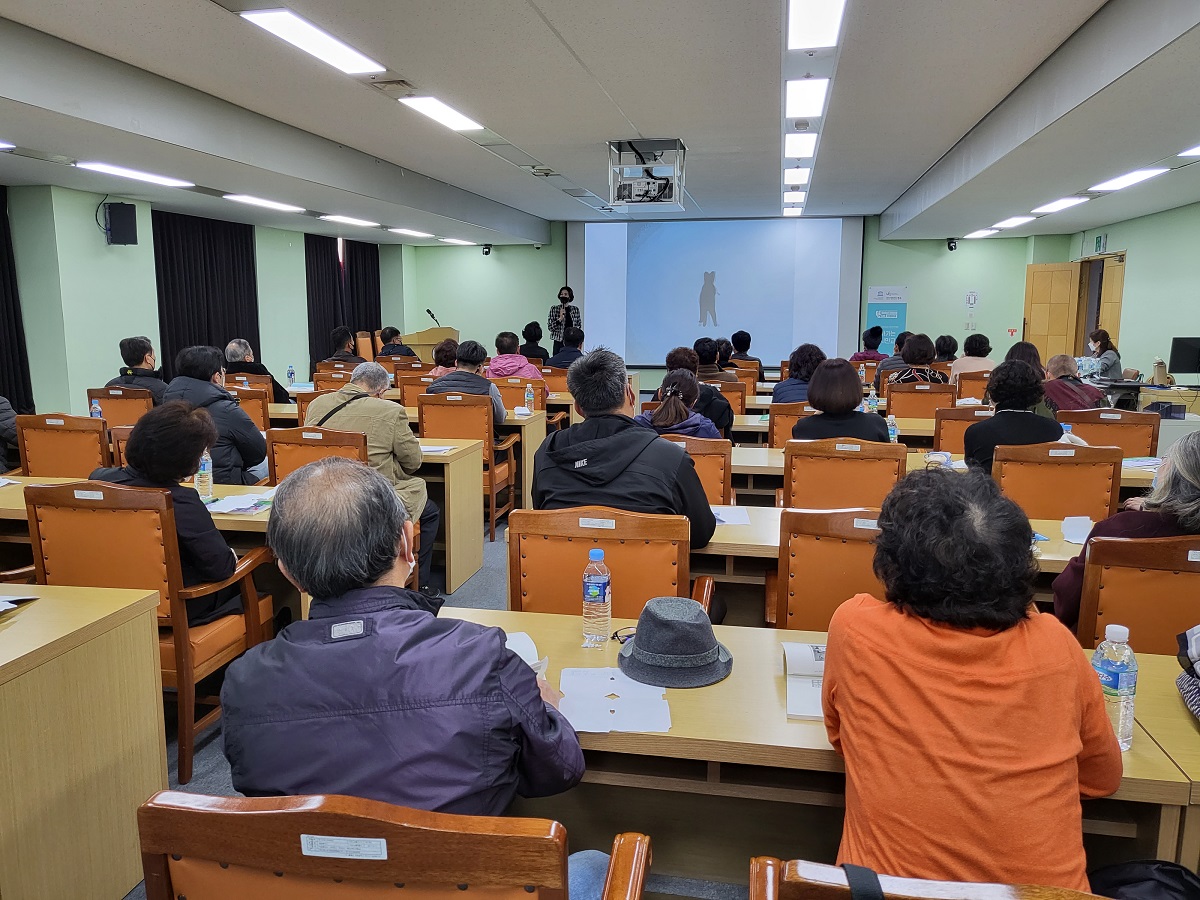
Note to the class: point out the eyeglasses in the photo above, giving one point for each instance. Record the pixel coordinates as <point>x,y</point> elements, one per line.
<point>621,635</point>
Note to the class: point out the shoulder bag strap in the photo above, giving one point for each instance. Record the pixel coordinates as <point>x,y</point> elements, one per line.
<point>864,883</point>
<point>337,409</point>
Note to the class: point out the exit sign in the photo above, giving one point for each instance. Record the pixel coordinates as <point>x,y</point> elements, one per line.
<point>1101,242</point>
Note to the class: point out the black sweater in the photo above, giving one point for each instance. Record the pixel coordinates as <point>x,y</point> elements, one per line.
<point>854,424</point>
<point>1007,427</point>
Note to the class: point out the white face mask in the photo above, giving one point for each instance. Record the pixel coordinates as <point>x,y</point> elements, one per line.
<point>1093,346</point>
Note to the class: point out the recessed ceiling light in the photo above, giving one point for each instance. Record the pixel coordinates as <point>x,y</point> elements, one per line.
<point>799,146</point>
<point>122,172</point>
<point>813,24</point>
<point>346,220</point>
<point>286,25</point>
<point>410,232</point>
<point>457,241</point>
<point>1059,205</point>
<point>981,233</point>
<point>1195,151</point>
<point>1013,222</point>
<point>265,204</point>
<point>793,210</point>
<point>806,98</point>
<point>794,196</point>
<point>1124,181</point>
<point>4,146</point>
<point>440,112</point>
<point>797,175</point>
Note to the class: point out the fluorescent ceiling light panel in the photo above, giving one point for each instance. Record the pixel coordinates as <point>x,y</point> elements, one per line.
<point>793,210</point>
<point>457,241</point>
<point>286,25</point>
<point>806,98</point>
<point>4,146</point>
<point>1195,151</point>
<point>122,172</point>
<point>1124,181</point>
<point>794,196</point>
<point>1059,205</point>
<point>813,24</point>
<point>440,112</point>
<point>410,232</point>
<point>797,176</point>
<point>346,220</point>
<point>981,233</point>
<point>265,204</point>
<point>799,146</point>
<point>1013,222</point>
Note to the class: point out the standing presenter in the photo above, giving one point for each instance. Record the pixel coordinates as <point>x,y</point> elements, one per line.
<point>564,315</point>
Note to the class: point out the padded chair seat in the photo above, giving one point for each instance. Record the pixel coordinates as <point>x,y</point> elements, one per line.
<point>502,470</point>
<point>208,640</point>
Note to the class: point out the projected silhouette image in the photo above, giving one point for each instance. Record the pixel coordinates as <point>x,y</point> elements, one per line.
<point>708,299</point>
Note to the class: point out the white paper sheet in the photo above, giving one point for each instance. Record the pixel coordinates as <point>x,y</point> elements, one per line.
<point>731,515</point>
<point>1076,529</point>
<point>959,464</point>
<point>11,601</point>
<point>4,481</point>
<point>522,644</point>
<point>1141,462</point>
<point>432,449</point>
<point>604,700</point>
<point>242,504</point>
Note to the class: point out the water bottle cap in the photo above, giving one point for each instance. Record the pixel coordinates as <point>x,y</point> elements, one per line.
<point>1118,634</point>
<point>1067,427</point>
<point>596,555</point>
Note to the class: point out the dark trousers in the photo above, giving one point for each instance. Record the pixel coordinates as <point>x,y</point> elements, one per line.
<point>558,345</point>
<point>431,517</point>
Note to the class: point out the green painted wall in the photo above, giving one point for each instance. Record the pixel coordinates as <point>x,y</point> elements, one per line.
<point>1048,248</point>
<point>282,302</point>
<point>391,285</point>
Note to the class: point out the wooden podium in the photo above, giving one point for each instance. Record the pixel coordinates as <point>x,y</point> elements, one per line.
<point>423,342</point>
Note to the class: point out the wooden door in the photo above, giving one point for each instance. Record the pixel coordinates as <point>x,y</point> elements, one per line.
<point>1112,288</point>
<point>1052,307</point>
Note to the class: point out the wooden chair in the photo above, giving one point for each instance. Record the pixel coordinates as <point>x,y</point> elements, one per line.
<point>121,405</point>
<point>943,367</point>
<point>918,401</point>
<point>469,417</point>
<point>405,365</point>
<point>840,473</point>
<point>331,381</point>
<point>303,398</point>
<point>61,446</point>
<point>512,391</point>
<point>782,418</point>
<point>825,558</point>
<point>783,370</point>
<point>412,386</point>
<point>119,437</point>
<point>775,879</point>
<point>647,555</point>
<point>746,364</point>
<point>93,534</point>
<point>328,366</point>
<point>734,392</point>
<point>556,380</point>
<point>377,339</point>
<point>748,377</point>
<point>290,448</point>
<point>973,384</point>
<point>651,405</point>
<point>714,464</point>
<point>869,366</point>
<point>214,848</point>
<point>951,423</point>
<point>250,380</point>
<point>1053,481</point>
<point>1152,585</point>
<point>364,346</point>
<point>1136,433</point>
<point>254,402</point>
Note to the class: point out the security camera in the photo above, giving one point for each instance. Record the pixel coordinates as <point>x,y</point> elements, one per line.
<point>951,244</point>
<point>537,246</point>
<point>487,249</point>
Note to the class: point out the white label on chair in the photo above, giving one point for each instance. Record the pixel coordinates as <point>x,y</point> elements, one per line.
<point>983,412</point>
<point>1110,415</point>
<point>1194,556</point>
<point>55,422</point>
<point>853,448</point>
<point>116,393</point>
<point>332,847</point>
<point>610,524</point>
<point>454,396</point>
<point>922,387</point>
<point>311,435</point>
<point>89,495</point>
<point>866,523</point>
<point>1068,452</point>
<point>427,380</point>
<point>679,444</point>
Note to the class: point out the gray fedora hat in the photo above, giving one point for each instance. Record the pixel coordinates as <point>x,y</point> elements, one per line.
<point>674,646</point>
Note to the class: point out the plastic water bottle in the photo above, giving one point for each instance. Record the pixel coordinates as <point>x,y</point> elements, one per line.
<point>291,375</point>
<point>893,430</point>
<point>529,397</point>
<point>597,600</point>
<point>1066,428</point>
<point>1117,667</point>
<point>94,410</point>
<point>204,476</point>
<point>862,372</point>
<point>873,401</point>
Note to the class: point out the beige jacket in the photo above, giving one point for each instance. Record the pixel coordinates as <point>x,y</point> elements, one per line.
<point>392,448</point>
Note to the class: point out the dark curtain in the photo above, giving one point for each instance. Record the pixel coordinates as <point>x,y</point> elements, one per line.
<point>340,293</point>
<point>207,283</point>
<point>15,383</point>
<point>361,305</point>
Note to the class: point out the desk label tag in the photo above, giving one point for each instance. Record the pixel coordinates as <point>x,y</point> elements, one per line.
<point>866,523</point>
<point>89,495</point>
<point>610,524</point>
<point>116,393</point>
<point>311,435</point>
<point>332,847</point>
<point>1067,452</point>
<point>454,396</point>
<point>922,387</point>
<point>679,444</point>
<point>1110,415</point>
<point>853,448</point>
<point>1194,556</point>
<point>54,422</point>
<point>983,412</point>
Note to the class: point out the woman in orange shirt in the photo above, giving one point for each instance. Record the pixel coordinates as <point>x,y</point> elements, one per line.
<point>971,725</point>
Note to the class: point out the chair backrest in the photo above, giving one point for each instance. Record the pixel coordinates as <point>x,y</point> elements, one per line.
<point>950,424</point>
<point>250,380</point>
<point>919,401</point>
<point>1151,585</point>
<point>303,398</point>
<point>869,367</point>
<point>364,346</point>
<point>60,446</point>
<point>1136,433</point>
<point>943,367</point>
<point>556,379</point>
<point>651,405</point>
<point>327,365</point>
<point>377,339</point>
<point>783,370</point>
<point>748,377</point>
<point>840,473</point>
<point>512,391</point>
<point>460,416</point>
<point>307,847</point>
<point>253,402</point>
<point>290,448</point>
<point>412,386</point>
<point>405,365</point>
<point>973,384</point>
<point>746,364</point>
<point>121,405</point>
<point>548,551</point>
<point>734,392</point>
<point>714,464</point>
<point>331,381</point>
<point>1053,481</point>
<point>119,437</point>
<point>781,418</point>
<point>825,558</point>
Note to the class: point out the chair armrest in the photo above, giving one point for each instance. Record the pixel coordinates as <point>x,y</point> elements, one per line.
<point>23,575</point>
<point>764,878</point>
<point>246,565</point>
<point>507,443</point>
<point>702,591</point>
<point>263,482</point>
<point>779,497</point>
<point>628,867</point>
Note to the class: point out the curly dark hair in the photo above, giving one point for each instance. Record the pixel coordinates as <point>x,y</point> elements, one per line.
<point>946,346</point>
<point>918,350</point>
<point>445,353</point>
<point>953,549</point>
<point>532,332</point>
<point>706,350</point>
<point>804,361</point>
<point>166,443</point>
<point>977,345</point>
<point>1015,384</point>
<point>724,350</point>
<point>683,358</point>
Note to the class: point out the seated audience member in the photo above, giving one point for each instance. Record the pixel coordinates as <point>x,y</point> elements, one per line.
<point>1064,388</point>
<point>610,460</point>
<point>239,454</point>
<point>741,350</point>
<point>508,363</point>
<point>465,379</point>
<point>444,357</point>
<point>947,348</point>
<point>164,448</point>
<point>871,339</point>
<point>675,415</point>
<point>392,345</point>
<point>373,696</point>
<point>711,403</point>
<point>707,352</point>
<point>392,448</point>
<point>801,365</point>
<point>1027,352</point>
<point>1015,388</point>
<point>531,349</point>
<point>836,391</point>
<point>724,353</point>
<point>140,369</point>
<point>9,455</point>
<point>917,354</point>
<point>974,359</point>
<point>1171,510</point>
<point>342,341</point>
<point>995,712</point>
<point>893,362</point>
<point>1105,350</point>
<point>572,348</point>
<point>239,360</point>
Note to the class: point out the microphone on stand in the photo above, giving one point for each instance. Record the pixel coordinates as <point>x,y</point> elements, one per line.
<point>432,316</point>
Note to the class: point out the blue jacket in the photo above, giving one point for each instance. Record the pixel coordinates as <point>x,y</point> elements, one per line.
<point>374,697</point>
<point>694,425</point>
<point>790,390</point>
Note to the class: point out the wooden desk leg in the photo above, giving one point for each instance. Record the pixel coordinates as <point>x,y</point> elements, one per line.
<point>1168,832</point>
<point>532,436</point>
<point>462,518</point>
<point>1189,843</point>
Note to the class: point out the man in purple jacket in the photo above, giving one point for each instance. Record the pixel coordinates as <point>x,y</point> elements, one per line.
<point>373,696</point>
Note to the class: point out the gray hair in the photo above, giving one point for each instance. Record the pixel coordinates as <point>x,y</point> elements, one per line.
<point>1177,491</point>
<point>237,350</point>
<point>370,375</point>
<point>335,524</point>
<point>597,381</point>
<point>1062,364</point>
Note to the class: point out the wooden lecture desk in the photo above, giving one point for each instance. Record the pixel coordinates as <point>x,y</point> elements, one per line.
<point>734,778</point>
<point>81,736</point>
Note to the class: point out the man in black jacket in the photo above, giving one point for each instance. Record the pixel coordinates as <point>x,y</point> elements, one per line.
<point>392,345</point>
<point>9,457</point>
<point>140,369</point>
<point>711,403</point>
<point>342,341</point>
<point>239,360</point>
<point>571,351</point>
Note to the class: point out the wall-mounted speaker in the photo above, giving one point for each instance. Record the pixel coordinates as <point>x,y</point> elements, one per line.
<point>120,223</point>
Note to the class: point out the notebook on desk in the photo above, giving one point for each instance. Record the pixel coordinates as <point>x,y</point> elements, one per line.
<point>804,671</point>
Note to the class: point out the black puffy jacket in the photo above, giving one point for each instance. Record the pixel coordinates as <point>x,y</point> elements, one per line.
<point>240,444</point>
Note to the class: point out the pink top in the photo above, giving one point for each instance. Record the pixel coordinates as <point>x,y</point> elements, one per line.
<point>512,365</point>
